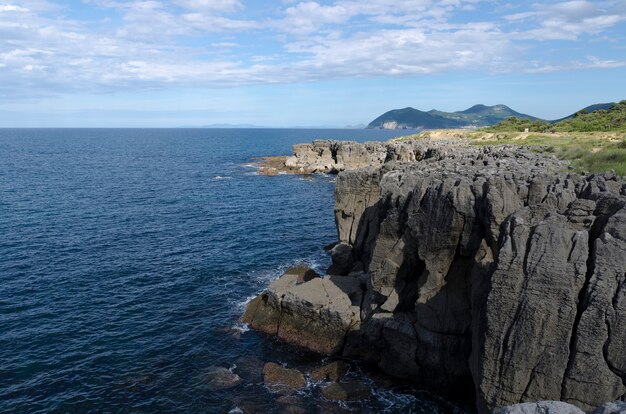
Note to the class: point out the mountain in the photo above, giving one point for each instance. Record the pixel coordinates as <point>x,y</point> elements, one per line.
<point>474,117</point>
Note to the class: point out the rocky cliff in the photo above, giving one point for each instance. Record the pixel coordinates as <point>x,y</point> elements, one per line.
<point>489,271</point>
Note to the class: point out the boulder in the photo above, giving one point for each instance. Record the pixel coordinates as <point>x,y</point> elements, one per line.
<point>346,391</point>
<point>330,372</point>
<point>220,378</point>
<point>281,379</point>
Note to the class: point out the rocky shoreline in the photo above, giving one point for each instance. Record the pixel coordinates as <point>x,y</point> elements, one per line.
<point>491,272</point>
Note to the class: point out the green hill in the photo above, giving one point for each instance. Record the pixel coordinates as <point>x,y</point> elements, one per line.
<point>476,116</point>
<point>611,119</point>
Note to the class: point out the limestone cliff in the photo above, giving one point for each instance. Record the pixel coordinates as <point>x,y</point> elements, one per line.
<point>486,271</point>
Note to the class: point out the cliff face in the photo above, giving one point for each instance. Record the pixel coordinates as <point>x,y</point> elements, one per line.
<point>470,270</point>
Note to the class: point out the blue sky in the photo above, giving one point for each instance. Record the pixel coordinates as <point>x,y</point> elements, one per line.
<point>157,63</point>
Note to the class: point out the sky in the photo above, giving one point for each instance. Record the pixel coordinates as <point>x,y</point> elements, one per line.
<point>290,63</point>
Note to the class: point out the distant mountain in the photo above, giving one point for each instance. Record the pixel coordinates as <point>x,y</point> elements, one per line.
<point>590,108</point>
<point>474,117</point>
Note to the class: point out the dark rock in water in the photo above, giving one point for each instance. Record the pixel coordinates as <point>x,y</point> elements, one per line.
<point>541,407</point>
<point>346,391</point>
<point>617,407</point>
<point>486,271</point>
<point>291,404</point>
<point>220,378</point>
<point>281,379</point>
<point>250,368</point>
<point>330,372</point>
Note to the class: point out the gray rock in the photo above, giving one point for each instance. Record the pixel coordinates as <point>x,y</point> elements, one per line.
<point>342,259</point>
<point>484,270</point>
<point>541,407</point>
<point>617,407</point>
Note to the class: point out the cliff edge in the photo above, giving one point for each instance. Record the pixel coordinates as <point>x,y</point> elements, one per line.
<point>490,271</point>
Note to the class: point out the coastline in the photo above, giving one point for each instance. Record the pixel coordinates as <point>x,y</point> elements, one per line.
<point>430,260</point>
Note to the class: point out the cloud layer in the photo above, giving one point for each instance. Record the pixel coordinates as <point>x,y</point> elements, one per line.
<point>96,46</point>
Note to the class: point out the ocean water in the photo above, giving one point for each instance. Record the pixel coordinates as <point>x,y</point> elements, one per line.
<point>127,257</point>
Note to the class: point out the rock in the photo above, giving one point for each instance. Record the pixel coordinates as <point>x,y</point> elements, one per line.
<point>346,391</point>
<point>280,379</point>
<point>617,407</point>
<point>268,171</point>
<point>541,407</point>
<point>483,270</point>
<point>220,378</point>
<point>342,259</point>
<point>330,372</point>
<point>316,314</point>
<point>250,368</point>
<point>291,404</point>
<point>304,273</point>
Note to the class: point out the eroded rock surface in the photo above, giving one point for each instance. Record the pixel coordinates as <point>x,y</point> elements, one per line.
<point>476,270</point>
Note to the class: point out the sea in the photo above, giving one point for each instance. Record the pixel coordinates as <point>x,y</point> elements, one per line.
<point>127,257</point>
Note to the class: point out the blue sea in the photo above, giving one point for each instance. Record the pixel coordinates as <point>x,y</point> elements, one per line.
<point>126,260</point>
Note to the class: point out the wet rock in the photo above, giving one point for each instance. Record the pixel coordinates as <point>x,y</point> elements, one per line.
<point>220,378</point>
<point>346,391</point>
<point>291,404</point>
<point>250,368</point>
<point>330,372</point>
<point>541,407</point>
<point>281,379</point>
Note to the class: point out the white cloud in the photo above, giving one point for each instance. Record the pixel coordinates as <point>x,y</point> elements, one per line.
<point>150,43</point>
<point>570,19</point>
<point>12,8</point>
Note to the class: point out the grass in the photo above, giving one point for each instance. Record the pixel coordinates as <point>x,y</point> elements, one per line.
<point>592,152</point>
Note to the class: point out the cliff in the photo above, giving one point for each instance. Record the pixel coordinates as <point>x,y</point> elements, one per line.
<point>489,271</point>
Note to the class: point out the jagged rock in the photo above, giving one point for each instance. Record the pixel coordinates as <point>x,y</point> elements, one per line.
<point>485,270</point>
<point>278,378</point>
<point>330,372</point>
<point>617,407</point>
<point>346,391</point>
<point>541,407</point>
<point>220,378</point>
<point>316,314</point>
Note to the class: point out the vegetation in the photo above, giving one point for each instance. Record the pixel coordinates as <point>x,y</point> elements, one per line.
<point>612,119</point>
<point>588,151</point>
